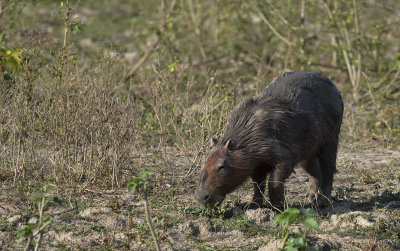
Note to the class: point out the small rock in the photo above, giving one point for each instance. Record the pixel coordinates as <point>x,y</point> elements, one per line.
<point>13,219</point>
<point>33,220</point>
<point>91,211</point>
<point>362,222</point>
<point>334,220</point>
<point>120,236</point>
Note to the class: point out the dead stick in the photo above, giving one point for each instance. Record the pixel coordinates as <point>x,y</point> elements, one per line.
<point>141,61</point>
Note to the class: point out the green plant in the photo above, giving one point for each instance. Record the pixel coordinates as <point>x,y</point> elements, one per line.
<point>295,216</point>
<point>12,57</point>
<point>36,229</point>
<point>200,211</point>
<point>140,185</point>
<point>70,24</point>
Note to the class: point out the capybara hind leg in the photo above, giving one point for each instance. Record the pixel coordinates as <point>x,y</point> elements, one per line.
<point>313,169</point>
<point>276,185</point>
<point>327,163</point>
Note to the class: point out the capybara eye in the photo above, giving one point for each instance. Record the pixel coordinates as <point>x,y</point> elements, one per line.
<point>221,167</point>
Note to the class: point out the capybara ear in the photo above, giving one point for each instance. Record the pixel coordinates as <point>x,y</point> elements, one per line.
<point>230,145</point>
<point>213,142</point>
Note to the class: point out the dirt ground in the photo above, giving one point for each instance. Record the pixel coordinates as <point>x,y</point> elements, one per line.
<point>364,216</point>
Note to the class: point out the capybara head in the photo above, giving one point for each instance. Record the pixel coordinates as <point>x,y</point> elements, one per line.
<point>221,174</point>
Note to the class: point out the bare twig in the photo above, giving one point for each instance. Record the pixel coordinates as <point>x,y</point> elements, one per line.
<point>65,211</point>
<point>148,218</point>
<point>41,209</point>
<point>302,24</point>
<point>28,243</point>
<point>353,64</point>
<point>141,61</point>
<point>196,29</point>
<point>16,170</point>
<point>262,16</point>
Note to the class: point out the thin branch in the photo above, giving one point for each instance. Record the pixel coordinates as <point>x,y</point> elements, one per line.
<point>41,209</point>
<point>272,28</point>
<point>148,218</point>
<point>65,211</point>
<point>141,61</point>
<point>196,29</point>
<point>302,25</point>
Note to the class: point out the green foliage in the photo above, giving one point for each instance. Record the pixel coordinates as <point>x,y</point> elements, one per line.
<point>212,211</point>
<point>296,216</point>
<point>33,229</point>
<point>12,57</point>
<point>138,183</point>
<point>26,231</point>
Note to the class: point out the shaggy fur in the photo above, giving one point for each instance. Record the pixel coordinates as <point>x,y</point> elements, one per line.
<point>295,121</point>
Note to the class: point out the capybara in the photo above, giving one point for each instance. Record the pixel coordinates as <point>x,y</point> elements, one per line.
<point>295,121</point>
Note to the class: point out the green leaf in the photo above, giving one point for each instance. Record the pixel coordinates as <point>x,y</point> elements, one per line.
<point>12,57</point>
<point>144,174</point>
<point>26,231</point>
<point>279,219</point>
<point>295,244</point>
<point>132,187</point>
<point>57,200</point>
<point>309,212</point>
<point>311,223</point>
<point>44,225</point>
<point>287,217</point>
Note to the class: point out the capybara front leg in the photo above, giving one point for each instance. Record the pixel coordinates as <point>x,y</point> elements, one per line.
<point>259,189</point>
<point>276,184</point>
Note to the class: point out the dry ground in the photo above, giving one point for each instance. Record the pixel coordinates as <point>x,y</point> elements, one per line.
<point>364,216</point>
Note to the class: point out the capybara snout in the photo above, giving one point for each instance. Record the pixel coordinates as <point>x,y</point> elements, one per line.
<point>220,175</point>
<point>295,121</point>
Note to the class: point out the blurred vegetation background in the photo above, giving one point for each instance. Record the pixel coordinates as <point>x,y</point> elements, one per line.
<point>92,92</point>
